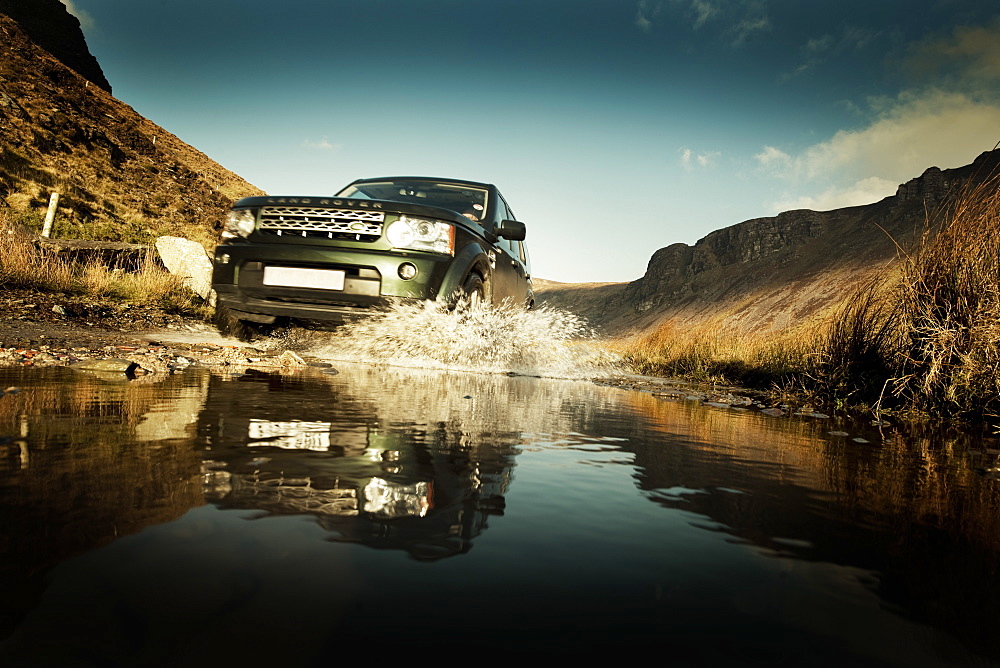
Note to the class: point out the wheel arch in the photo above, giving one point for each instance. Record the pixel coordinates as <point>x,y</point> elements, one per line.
<point>471,260</point>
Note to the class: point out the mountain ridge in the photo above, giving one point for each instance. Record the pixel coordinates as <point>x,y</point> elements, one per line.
<point>774,273</point>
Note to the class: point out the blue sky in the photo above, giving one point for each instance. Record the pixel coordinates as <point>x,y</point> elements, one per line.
<point>613,127</point>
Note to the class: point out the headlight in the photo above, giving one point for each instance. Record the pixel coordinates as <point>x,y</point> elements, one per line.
<point>422,234</point>
<point>239,223</point>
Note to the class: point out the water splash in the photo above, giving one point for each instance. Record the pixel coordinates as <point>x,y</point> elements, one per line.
<point>541,342</point>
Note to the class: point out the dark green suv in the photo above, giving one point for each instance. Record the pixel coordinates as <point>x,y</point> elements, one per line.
<point>376,241</point>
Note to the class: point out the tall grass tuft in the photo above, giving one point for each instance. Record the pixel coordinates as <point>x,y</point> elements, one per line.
<point>950,360</point>
<point>855,356</point>
<point>23,264</point>
<point>151,284</point>
<point>26,265</point>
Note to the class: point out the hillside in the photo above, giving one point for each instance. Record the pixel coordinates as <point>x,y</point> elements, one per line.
<point>119,175</point>
<point>768,274</point>
<point>52,27</point>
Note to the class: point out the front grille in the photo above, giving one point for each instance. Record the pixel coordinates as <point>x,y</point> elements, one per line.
<point>319,223</point>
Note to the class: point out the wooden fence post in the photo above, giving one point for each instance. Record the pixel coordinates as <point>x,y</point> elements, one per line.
<point>50,215</point>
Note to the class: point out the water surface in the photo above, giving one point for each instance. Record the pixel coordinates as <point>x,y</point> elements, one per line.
<point>259,517</point>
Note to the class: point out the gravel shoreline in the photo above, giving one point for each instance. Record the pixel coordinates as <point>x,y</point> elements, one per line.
<point>41,330</point>
<point>151,356</point>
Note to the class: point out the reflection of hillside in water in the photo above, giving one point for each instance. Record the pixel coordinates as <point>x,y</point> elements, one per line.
<point>393,458</point>
<point>911,510</point>
<point>85,461</point>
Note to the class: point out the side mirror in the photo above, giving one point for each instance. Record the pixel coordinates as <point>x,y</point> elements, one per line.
<point>510,229</point>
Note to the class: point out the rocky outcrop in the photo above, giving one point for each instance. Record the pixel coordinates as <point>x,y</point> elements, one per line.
<point>51,27</point>
<point>770,273</point>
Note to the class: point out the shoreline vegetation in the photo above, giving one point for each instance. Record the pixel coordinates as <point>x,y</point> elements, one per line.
<point>920,339</point>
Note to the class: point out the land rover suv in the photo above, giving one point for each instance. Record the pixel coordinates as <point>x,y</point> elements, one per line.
<point>376,241</point>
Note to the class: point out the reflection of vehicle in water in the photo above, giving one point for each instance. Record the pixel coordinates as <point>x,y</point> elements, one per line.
<point>383,480</point>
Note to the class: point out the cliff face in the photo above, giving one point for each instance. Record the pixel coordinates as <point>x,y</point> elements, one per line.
<point>119,175</point>
<point>51,27</point>
<point>772,273</point>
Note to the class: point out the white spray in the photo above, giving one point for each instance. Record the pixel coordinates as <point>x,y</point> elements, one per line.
<point>541,342</point>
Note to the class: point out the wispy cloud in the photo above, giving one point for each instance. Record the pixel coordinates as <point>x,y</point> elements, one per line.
<point>865,191</point>
<point>818,50</point>
<point>691,160</point>
<point>749,28</point>
<point>646,13</point>
<point>85,19</point>
<point>323,144</point>
<point>774,159</point>
<point>703,11</point>
<point>738,21</point>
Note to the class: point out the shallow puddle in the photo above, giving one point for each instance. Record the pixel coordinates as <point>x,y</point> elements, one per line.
<point>311,516</point>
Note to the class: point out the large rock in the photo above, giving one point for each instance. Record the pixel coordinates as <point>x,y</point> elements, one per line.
<point>189,260</point>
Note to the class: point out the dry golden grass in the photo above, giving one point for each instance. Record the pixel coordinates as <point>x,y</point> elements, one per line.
<point>24,264</point>
<point>151,284</point>
<point>708,355</point>
<point>857,346</point>
<point>950,300</point>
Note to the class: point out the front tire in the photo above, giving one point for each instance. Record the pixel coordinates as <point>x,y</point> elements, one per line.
<point>244,330</point>
<point>473,292</point>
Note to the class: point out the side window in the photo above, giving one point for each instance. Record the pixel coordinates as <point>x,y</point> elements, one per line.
<point>504,209</point>
<point>516,249</point>
<point>502,214</point>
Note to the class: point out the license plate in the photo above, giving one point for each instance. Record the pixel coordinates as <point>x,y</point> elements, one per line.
<point>297,277</point>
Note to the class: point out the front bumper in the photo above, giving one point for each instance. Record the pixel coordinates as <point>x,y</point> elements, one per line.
<point>371,280</point>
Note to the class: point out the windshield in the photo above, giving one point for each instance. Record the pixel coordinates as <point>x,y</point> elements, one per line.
<point>469,201</point>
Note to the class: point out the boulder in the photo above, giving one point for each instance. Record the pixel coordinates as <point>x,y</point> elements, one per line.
<point>189,260</point>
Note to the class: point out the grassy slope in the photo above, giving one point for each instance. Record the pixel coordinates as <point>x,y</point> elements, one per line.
<point>120,176</point>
